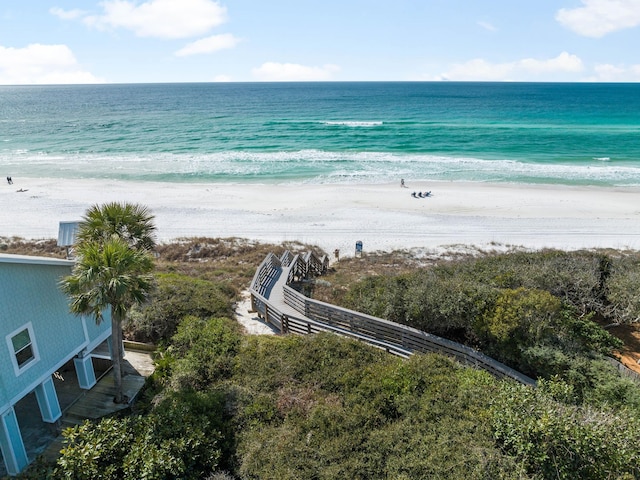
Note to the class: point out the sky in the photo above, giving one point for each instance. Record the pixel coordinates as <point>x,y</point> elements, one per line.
<point>151,41</point>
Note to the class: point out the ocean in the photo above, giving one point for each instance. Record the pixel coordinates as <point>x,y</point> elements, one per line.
<point>369,132</point>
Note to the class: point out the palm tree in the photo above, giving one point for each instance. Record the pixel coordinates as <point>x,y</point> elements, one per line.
<point>113,270</point>
<point>129,221</point>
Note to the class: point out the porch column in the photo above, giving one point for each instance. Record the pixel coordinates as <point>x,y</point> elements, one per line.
<point>85,372</point>
<point>13,451</point>
<point>48,401</point>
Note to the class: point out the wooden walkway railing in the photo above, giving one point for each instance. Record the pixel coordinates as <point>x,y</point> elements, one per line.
<point>292,312</point>
<point>624,371</point>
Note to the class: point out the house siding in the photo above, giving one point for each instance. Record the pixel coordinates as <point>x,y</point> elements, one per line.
<point>30,293</point>
<point>30,297</point>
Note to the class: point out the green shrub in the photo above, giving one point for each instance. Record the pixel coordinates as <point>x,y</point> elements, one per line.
<point>176,297</point>
<point>560,441</point>
<point>606,388</point>
<point>530,310</point>
<point>204,351</point>
<point>536,333</point>
<point>325,407</point>
<point>520,316</point>
<point>373,296</point>
<point>446,304</point>
<point>577,278</point>
<point>176,440</point>
<point>622,291</point>
<point>437,300</point>
<point>95,452</point>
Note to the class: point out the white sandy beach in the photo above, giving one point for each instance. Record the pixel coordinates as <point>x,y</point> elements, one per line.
<point>383,217</point>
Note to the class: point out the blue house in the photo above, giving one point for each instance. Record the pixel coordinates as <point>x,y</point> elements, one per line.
<point>38,335</point>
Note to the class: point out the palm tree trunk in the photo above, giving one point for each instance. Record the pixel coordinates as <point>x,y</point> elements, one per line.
<point>116,356</point>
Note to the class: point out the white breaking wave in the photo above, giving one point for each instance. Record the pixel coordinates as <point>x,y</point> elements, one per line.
<point>310,166</point>
<point>348,123</point>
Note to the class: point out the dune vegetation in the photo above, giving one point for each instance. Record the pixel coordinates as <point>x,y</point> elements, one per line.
<point>224,405</point>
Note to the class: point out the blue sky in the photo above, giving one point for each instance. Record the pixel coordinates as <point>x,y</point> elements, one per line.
<point>130,41</point>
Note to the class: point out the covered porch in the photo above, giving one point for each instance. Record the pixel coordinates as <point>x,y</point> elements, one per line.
<point>78,404</point>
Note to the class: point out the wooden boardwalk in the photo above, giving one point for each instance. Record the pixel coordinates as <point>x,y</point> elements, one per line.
<point>292,312</point>
<point>276,295</point>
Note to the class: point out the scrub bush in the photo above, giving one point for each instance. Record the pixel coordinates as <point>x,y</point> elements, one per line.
<point>178,439</point>
<point>176,297</point>
<point>564,441</point>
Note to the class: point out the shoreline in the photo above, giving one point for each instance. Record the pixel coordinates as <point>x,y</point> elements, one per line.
<point>382,216</point>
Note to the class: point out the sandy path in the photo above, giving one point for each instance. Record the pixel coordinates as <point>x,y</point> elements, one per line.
<point>250,321</point>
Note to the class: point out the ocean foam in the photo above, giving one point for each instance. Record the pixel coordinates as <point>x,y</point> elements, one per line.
<point>312,166</point>
<point>348,123</point>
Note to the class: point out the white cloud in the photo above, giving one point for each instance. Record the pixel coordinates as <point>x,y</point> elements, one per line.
<point>597,18</point>
<point>562,63</point>
<point>615,73</point>
<point>609,73</point>
<point>525,69</point>
<point>67,14</point>
<point>478,69</point>
<point>487,26</point>
<point>160,18</point>
<point>41,64</point>
<point>293,72</point>
<point>209,45</point>
<point>222,78</point>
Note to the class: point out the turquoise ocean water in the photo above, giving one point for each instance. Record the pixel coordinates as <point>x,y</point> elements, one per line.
<point>573,134</point>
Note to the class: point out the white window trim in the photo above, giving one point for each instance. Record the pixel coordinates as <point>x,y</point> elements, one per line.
<point>34,347</point>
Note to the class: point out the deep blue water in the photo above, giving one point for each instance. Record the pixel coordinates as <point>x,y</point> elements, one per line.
<point>576,134</point>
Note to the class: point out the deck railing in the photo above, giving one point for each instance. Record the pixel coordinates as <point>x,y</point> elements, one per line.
<point>316,316</point>
<point>266,273</point>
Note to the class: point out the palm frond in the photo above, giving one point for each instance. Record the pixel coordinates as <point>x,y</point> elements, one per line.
<point>134,223</point>
<point>113,270</point>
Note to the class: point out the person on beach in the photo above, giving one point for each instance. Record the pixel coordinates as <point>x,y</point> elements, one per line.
<point>402,185</point>
<point>9,180</point>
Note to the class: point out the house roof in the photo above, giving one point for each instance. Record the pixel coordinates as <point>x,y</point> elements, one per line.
<point>67,233</point>
<point>28,259</point>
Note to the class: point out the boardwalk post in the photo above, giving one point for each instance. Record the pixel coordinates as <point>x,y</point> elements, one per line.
<point>253,303</point>
<point>284,324</point>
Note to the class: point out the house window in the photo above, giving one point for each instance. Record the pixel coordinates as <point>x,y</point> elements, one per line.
<point>22,345</point>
